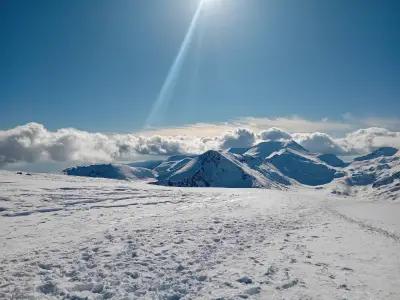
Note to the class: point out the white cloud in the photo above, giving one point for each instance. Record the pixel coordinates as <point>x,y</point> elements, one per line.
<point>319,142</point>
<point>357,142</point>
<point>297,124</point>
<point>274,134</point>
<point>289,124</point>
<point>34,143</point>
<point>239,138</point>
<point>365,140</point>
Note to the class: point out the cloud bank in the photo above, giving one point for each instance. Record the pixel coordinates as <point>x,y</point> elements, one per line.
<point>34,143</point>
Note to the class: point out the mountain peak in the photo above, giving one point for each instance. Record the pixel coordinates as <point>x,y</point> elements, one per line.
<point>266,148</point>
<point>216,169</point>
<point>383,151</point>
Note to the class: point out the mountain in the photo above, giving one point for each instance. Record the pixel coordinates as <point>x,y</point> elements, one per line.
<point>287,162</point>
<point>375,174</point>
<point>264,149</point>
<point>171,165</point>
<point>270,164</point>
<point>332,160</point>
<point>148,164</point>
<point>304,169</point>
<point>384,151</point>
<point>378,168</point>
<point>217,169</point>
<point>237,150</point>
<point>179,157</point>
<point>112,171</point>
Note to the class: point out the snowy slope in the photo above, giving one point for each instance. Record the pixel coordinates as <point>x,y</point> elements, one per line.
<point>376,174</point>
<point>267,164</point>
<point>112,171</point>
<point>381,152</point>
<point>147,164</point>
<point>216,169</point>
<point>171,165</point>
<point>237,150</point>
<point>332,160</point>
<point>66,237</point>
<point>301,168</point>
<point>285,161</point>
<point>264,149</point>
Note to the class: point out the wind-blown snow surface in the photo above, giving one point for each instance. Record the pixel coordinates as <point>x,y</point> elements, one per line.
<point>88,238</point>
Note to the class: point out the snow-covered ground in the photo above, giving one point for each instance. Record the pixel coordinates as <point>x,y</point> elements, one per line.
<point>67,237</point>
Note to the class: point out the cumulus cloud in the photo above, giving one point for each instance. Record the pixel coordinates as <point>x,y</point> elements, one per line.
<point>357,142</point>
<point>274,134</point>
<point>239,138</point>
<point>34,143</point>
<point>315,142</point>
<point>320,143</point>
<point>365,140</point>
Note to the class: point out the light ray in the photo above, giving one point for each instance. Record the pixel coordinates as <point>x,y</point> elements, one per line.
<point>167,89</point>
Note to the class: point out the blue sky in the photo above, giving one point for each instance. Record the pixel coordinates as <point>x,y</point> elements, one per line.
<point>99,65</point>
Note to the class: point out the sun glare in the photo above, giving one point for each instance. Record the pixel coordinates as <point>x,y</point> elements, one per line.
<point>209,1</point>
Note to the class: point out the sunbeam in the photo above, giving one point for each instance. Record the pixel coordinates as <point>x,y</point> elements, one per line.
<point>167,89</point>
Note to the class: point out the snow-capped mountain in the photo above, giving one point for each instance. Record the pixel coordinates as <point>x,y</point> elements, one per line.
<point>148,164</point>
<point>264,149</point>
<point>302,168</point>
<point>237,150</point>
<point>384,151</point>
<point>171,165</point>
<point>332,160</point>
<point>377,173</point>
<point>285,161</point>
<point>216,169</point>
<point>112,171</point>
<point>270,164</point>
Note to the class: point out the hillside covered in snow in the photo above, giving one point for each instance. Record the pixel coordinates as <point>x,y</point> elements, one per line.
<point>269,164</point>
<point>271,221</point>
<point>65,237</point>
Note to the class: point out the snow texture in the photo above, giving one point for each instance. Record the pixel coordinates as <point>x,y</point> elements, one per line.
<point>65,237</point>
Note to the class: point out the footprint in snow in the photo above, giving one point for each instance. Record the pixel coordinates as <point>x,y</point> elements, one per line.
<point>48,288</point>
<point>245,280</point>
<point>288,285</point>
<point>271,271</point>
<point>44,266</point>
<point>344,287</point>
<point>253,291</point>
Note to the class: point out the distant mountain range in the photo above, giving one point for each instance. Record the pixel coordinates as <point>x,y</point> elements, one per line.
<point>269,164</point>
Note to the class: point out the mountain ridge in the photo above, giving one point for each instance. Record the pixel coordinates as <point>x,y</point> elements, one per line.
<point>269,164</point>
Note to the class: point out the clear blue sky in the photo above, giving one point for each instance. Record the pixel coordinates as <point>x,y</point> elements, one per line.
<point>99,64</point>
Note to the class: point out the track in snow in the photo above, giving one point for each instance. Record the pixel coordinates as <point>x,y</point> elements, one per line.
<point>74,238</point>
